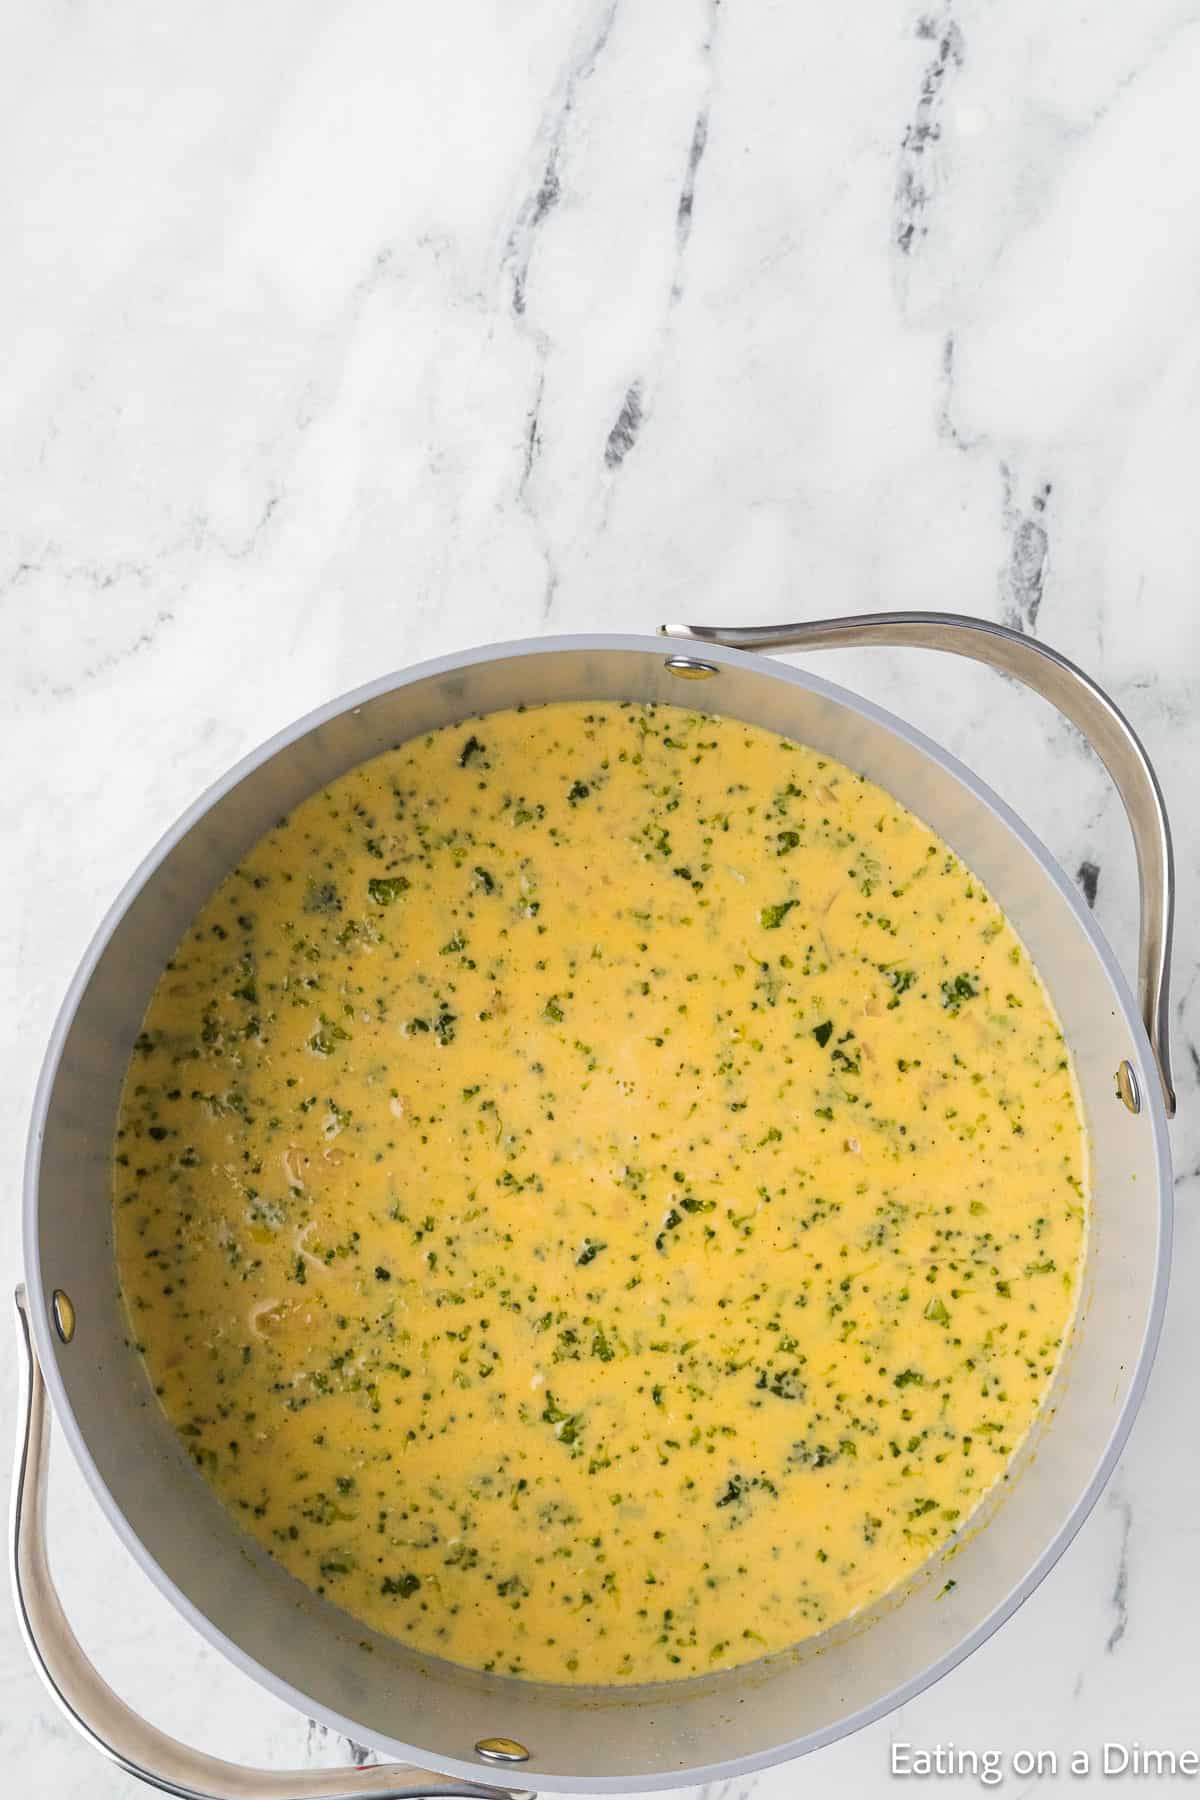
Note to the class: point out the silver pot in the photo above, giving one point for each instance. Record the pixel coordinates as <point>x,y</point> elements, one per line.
<point>463,1727</point>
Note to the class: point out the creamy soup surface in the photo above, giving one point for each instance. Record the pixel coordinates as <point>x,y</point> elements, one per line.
<point>601,1191</point>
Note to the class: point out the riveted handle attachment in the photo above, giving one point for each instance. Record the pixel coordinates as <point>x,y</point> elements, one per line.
<point>104,1719</point>
<point>1076,696</point>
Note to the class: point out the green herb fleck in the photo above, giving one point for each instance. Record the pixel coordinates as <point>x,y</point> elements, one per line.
<point>566,1425</point>
<point>772,917</point>
<point>404,1585</point>
<point>963,987</point>
<point>383,889</point>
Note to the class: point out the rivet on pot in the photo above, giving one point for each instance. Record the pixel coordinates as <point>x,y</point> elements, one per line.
<point>501,1750</point>
<point>690,668</point>
<point>63,1313</point>
<point>1127,1088</point>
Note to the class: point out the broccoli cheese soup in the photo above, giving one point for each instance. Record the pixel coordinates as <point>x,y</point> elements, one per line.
<point>600,1191</point>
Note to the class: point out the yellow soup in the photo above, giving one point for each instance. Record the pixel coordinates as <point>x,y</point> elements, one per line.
<point>600,1191</point>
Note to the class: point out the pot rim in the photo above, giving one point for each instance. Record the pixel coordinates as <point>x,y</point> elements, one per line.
<point>39,1313</point>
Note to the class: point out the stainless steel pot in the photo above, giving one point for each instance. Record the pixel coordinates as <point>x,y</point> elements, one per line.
<point>464,1727</point>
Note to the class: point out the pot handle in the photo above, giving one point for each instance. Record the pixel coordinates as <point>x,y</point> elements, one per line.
<point>90,1704</point>
<point>1076,696</point>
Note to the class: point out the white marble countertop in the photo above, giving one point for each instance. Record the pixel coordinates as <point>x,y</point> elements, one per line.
<point>334,338</point>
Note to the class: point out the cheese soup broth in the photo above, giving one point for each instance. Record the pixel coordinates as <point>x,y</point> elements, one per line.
<point>600,1190</point>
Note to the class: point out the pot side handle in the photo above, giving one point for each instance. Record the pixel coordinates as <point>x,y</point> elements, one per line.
<point>1081,700</point>
<point>98,1713</point>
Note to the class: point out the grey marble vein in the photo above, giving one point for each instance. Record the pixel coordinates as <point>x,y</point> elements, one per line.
<point>623,435</point>
<point>1023,578</point>
<point>914,178</point>
<point>540,201</point>
<point>556,122</point>
<point>1120,1591</point>
<point>687,194</point>
<point>1088,877</point>
<point>638,401</point>
<point>948,426</point>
